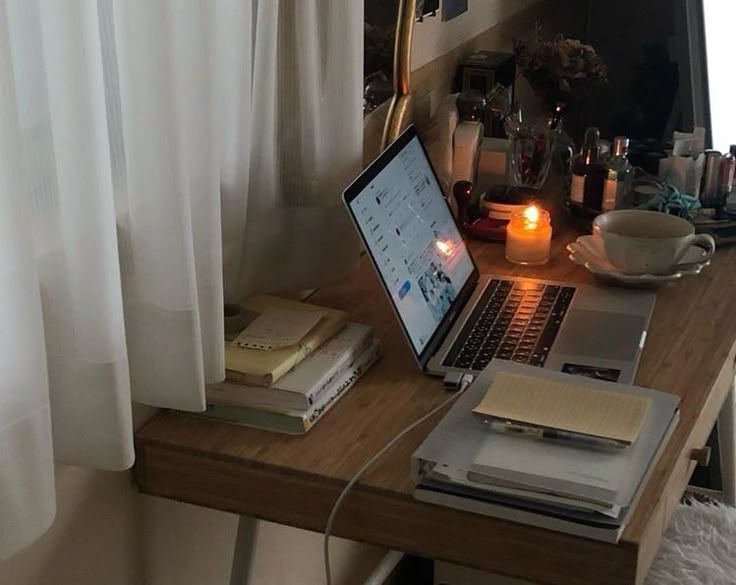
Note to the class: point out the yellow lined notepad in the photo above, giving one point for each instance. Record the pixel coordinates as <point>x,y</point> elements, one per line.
<point>556,405</point>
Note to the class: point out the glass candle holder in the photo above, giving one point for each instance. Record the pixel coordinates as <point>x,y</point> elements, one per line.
<point>529,236</point>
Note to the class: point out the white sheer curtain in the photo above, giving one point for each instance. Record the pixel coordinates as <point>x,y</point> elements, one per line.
<point>139,139</point>
<point>303,141</point>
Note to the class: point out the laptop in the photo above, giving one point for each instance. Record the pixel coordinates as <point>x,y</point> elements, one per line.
<point>457,320</point>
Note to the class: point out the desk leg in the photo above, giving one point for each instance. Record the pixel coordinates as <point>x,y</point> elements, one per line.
<point>727,445</point>
<point>384,569</point>
<point>245,544</point>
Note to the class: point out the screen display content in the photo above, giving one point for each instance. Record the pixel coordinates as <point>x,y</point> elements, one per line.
<point>414,241</point>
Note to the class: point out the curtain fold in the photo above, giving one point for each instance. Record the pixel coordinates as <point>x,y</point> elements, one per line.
<point>171,194</point>
<point>27,504</point>
<point>156,157</point>
<point>78,269</point>
<point>306,146</point>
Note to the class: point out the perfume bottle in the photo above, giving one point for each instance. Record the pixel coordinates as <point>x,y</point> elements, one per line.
<point>619,176</point>
<point>588,174</point>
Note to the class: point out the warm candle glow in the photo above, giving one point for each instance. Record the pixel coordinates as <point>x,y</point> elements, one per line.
<point>444,247</point>
<point>528,236</point>
<point>531,215</point>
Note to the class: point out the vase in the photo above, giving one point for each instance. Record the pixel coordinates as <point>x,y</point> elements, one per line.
<point>532,141</point>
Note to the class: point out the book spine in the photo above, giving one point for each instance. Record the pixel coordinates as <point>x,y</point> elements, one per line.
<point>243,378</point>
<point>285,400</point>
<point>345,384</point>
<point>294,422</point>
<point>345,361</point>
<point>604,534</point>
<point>232,394</point>
<point>256,418</point>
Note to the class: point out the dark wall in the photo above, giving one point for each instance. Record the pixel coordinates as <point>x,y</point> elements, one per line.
<point>380,32</point>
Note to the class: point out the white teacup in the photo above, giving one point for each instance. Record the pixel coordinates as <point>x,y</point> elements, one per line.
<point>648,242</point>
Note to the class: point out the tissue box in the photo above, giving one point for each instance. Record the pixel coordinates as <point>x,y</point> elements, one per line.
<point>684,167</point>
<point>683,172</point>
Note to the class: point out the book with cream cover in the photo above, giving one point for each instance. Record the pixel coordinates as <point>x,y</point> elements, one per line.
<point>304,385</point>
<point>248,365</point>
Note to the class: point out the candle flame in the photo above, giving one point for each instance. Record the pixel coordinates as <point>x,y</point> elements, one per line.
<point>444,247</point>
<point>531,214</point>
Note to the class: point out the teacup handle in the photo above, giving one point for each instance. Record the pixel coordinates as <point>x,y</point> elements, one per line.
<point>708,244</point>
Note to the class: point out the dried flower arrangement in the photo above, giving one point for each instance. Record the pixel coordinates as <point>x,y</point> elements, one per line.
<point>560,71</point>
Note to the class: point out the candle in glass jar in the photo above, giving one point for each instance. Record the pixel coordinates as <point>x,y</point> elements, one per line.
<point>528,236</point>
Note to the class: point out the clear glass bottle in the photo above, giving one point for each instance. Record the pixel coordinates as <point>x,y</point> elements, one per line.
<point>588,174</point>
<point>726,172</point>
<point>619,176</point>
<point>730,204</point>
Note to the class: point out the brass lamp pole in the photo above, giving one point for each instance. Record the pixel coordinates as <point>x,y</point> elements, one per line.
<point>399,112</point>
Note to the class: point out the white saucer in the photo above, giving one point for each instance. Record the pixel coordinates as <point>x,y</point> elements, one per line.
<point>588,252</point>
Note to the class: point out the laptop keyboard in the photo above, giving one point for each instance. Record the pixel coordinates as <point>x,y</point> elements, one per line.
<point>513,320</point>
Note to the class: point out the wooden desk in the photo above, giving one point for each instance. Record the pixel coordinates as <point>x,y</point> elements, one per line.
<point>295,481</point>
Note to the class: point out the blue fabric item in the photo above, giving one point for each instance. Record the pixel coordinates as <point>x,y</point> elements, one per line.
<point>669,199</point>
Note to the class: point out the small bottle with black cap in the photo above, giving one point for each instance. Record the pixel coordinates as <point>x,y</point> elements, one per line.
<point>588,175</point>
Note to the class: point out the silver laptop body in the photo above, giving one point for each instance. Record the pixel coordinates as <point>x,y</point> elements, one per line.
<point>601,335</point>
<point>399,211</point>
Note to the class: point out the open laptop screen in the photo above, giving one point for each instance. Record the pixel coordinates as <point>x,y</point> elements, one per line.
<point>407,226</point>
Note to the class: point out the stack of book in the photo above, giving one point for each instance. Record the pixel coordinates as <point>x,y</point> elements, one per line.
<point>491,454</point>
<point>286,370</point>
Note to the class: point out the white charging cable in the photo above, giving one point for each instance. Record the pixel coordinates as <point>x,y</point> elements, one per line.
<point>465,381</point>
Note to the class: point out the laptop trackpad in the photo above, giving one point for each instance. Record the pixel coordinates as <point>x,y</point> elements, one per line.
<point>600,334</point>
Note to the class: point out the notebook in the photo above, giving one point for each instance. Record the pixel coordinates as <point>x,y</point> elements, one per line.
<point>297,422</point>
<point>305,384</point>
<point>464,465</point>
<point>579,519</point>
<point>247,365</point>
<point>552,404</point>
<point>461,441</point>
